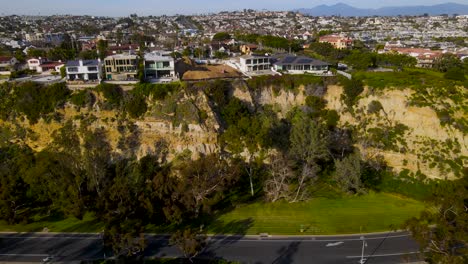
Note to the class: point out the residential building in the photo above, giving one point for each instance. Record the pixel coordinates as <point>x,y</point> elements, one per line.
<point>248,48</point>
<point>33,63</point>
<point>425,57</point>
<point>250,63</point>
<point>84,70</point>
<point>337,41</point>
<point>50,66</point>
<point>121,67</point>
<point>127,48</point>
<point>7,63</point>
<point>159,65</point>
<point>300,65</point>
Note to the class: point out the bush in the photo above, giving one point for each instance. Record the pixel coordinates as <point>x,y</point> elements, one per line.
<point>35,101</point>
<point>82,98</point>
<point>351,90</point>
<point>332,118</point>
<point>456,74</point>
<point>374,107</point>
<point>135,105</point>
<point>112,92</point>
<point>159,91</point>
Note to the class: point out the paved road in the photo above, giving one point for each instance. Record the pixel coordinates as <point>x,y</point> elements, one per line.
<point>67,248</point>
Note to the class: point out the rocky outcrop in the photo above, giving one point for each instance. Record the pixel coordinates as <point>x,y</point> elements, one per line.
<point>430,146</point>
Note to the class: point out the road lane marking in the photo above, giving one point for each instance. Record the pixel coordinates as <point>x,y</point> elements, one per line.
<point>385,255</point>
<point>334,244</point>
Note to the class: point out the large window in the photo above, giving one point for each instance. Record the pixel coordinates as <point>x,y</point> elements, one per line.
<point>93,68</point>
<point>72,69</point>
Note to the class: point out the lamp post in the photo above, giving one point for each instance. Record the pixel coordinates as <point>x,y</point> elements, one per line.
<point>364,244</point>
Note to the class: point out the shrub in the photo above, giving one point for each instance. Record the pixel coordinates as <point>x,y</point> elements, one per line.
<point>35,101</point>
<point>456,74</point>
<point>82,98</point>
<point>332,118</point>
<point>374,107</point>
<point>135,105</point>
<point>351,90</point>
<point>113,93</point>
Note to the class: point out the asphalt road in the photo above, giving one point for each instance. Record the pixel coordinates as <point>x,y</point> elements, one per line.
<point>69,248</point>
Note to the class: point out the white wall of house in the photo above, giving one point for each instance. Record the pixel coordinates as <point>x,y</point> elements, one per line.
<point>84,72</point>
<point>33,64</point>
<point>250,64</point>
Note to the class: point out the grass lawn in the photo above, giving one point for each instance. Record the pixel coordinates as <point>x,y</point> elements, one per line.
<point>89,224</point>
<point>320,216</point>
<point>374,212</point>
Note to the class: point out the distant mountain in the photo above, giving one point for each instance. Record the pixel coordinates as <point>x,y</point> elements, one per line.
<point>347,10</point>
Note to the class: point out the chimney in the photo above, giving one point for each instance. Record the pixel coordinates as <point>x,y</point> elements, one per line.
<point>81,63</point>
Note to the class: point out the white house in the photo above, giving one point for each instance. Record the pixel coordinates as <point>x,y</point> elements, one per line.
<point>85,70</point>
<point>33,63</point>
<point>251,63</point>
<point>159,65</point>
<point>300,65</point>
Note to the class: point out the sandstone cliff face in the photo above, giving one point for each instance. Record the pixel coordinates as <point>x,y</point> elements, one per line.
<point>187,122</point>
<point>429,146</point>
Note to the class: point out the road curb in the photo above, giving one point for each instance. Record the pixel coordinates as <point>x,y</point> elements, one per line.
<point>214,235</point>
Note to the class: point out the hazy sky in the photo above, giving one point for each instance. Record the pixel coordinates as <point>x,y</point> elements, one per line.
<point>170,7</point>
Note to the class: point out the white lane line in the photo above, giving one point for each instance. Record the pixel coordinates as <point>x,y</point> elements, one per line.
<point>334,244</point>
<point>24,255</point>
<point>386,255</point>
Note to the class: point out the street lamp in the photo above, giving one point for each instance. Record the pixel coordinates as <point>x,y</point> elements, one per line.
<point>364,244</point>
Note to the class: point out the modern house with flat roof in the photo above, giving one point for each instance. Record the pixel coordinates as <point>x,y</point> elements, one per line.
<point>121,67</point>
<point>84,70</point>
<point>250,63</point>
<point>300,65</point>
<point>159,65</point>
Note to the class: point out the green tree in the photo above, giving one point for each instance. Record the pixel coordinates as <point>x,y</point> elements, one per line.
<point>190,242</point>
<point>348,174</point>
<point>456,74</point>
<point>102,46</point>
<point>220,36</point>
<point>351,90</point>
<point>244,132</point>
<point>15,198</point>
<point>442,232</point>
<point>447,61</point>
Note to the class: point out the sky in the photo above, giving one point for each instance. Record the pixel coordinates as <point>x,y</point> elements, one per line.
<point>171,7</point>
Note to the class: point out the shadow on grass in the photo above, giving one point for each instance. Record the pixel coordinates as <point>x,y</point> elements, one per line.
<point>234,227</point>
<point>92,225</point>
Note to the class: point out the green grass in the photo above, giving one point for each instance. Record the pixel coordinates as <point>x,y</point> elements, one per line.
<point>89,224</point>
<point>321,216</point>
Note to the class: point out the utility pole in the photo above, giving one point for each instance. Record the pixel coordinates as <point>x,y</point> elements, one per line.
<point>363,260</point>
<point>364,244</point>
